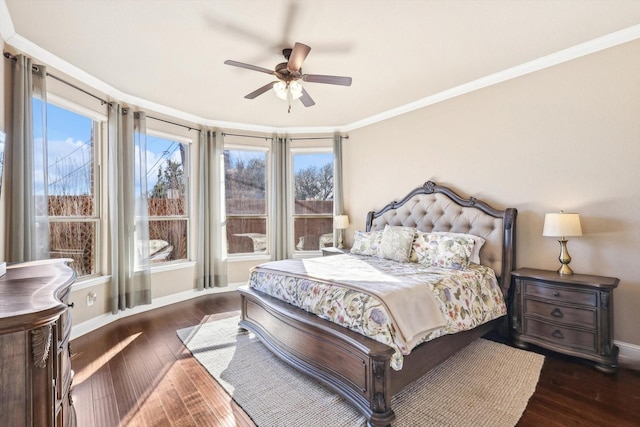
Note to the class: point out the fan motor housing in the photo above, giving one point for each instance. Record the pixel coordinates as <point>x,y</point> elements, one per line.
<point>285,74</point>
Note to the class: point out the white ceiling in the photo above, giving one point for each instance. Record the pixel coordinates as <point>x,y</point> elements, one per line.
<point>168,54</point>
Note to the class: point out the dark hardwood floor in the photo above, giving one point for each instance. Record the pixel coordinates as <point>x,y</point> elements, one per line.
<point>136,372</point>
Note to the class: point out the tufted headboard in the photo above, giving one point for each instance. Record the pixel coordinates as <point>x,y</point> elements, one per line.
<point>436,208</point>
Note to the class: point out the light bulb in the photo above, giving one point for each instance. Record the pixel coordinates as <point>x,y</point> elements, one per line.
<point>296,90</point>
<point>280,89</point>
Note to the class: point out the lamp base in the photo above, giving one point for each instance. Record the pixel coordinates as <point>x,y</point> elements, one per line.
<point>340,240</point>
<point>564,258</point>
<point>565,270</point>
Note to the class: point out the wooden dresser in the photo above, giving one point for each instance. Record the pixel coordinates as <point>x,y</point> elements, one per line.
<point>35,325</point>
<point>571,314</point>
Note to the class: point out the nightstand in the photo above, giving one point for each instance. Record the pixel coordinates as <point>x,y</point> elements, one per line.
<point>570,314</point>
<point>334,251</point>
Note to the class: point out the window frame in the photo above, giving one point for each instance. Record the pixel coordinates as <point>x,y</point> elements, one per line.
<point>99,133</point>
<point>297,148</point>
<point>188,194</point>
<point>266,149</point>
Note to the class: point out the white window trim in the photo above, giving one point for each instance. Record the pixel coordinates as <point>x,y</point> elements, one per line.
<point>189,193</point>
<point>293,150</point>
<point>259,146</point>
<point>100,133</point>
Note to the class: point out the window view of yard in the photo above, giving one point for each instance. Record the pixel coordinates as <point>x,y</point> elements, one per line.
<point>70,177</point>
<point>168,216</point>
<point>246,208</point>
<point>313,201</point>
<point>68,190</point>
<point>245,200</point>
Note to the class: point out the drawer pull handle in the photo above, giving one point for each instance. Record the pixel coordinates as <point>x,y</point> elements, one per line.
<point>556,312</point>
<point>556,293</point>
<point>71,304</point>
<point>557,334</point>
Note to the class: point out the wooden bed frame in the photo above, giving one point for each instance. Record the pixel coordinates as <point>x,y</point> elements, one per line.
<point>355,366</point>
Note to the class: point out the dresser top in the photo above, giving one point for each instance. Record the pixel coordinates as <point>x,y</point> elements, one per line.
<point>30,292</point>
<point>570,279</point>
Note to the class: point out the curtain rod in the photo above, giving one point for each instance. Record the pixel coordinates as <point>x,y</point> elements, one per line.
<point>319,137</point>
<point>246,136</point>
<point>35,68</point>
<point>172,123</point>
<point>102,101</point>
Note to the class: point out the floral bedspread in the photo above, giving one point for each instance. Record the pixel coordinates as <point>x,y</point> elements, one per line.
<point>467,298</point>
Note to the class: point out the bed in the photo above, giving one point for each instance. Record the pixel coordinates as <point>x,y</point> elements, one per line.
<point>358,367</point>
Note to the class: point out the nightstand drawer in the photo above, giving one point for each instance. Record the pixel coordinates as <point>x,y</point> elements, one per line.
<point>567,315</point>
<point>566,337</point>
<point>562,294</point>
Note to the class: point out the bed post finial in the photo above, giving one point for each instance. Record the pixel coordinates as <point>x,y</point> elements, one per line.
<point>429,186</point>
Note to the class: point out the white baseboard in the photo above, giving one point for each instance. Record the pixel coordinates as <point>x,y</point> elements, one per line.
<point>629,356</point>
<point>92,324</point>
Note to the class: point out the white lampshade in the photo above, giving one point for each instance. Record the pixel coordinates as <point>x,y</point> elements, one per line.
<point>562,224</point>
<point>282,90</point>
<point>340,222</point>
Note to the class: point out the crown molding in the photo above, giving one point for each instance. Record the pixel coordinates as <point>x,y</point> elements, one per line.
<point>583,49</point>
<point>6,24</point>
<point>7,31</point>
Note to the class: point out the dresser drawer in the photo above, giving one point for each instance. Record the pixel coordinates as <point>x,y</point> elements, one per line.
<point>561,294</point>
<point>567,315</point>
<point>559,335</point>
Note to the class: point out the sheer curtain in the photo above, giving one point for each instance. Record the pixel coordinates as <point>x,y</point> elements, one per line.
<point>26,173</point>
<point>338,198</point>
<point>212,234</point>
<point>128,209</point>
<point>280,211</point>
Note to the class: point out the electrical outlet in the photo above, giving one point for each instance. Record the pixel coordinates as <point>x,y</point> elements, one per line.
<point>91,298</point>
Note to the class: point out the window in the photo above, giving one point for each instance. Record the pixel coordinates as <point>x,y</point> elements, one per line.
<point>245,181</point>
<point>69,177</point>
<point>313,199</point>
<point>167,181</point>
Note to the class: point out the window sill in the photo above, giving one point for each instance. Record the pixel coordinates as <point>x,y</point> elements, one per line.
<point>170,266</point>
<point>249,257</point>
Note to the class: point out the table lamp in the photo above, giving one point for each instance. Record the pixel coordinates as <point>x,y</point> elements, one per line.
<point>562,225</point>
<point>340,222</point>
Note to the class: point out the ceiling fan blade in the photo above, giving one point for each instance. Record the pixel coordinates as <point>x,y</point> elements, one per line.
<point>298,55</point>
<point>306,99</point>
<point>260,91</point>
<point>332,80</point>
<point>248,66</point>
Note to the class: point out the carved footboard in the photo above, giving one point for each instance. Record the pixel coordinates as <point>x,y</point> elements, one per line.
<point>354,366</point>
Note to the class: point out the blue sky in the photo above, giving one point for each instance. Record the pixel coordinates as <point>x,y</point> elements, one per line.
<point>69,151</point>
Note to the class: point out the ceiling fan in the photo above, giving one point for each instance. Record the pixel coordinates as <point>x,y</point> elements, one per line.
<point>288,73</point>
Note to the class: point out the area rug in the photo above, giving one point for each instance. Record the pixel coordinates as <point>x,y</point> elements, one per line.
<point>485,384</point>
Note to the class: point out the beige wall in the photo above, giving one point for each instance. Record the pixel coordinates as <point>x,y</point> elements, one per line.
<point>567,137</point>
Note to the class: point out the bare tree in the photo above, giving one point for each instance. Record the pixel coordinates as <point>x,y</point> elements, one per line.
<point>313,183</point>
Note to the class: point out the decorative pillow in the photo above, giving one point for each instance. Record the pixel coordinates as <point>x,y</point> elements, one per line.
<point>437,250</point>
<point>396,243</point>
<point>478,242</point>
<point>367,243</point>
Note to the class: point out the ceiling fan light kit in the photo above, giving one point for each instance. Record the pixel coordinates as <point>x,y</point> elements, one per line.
<point>283,90</point>
<point>287,87</point>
